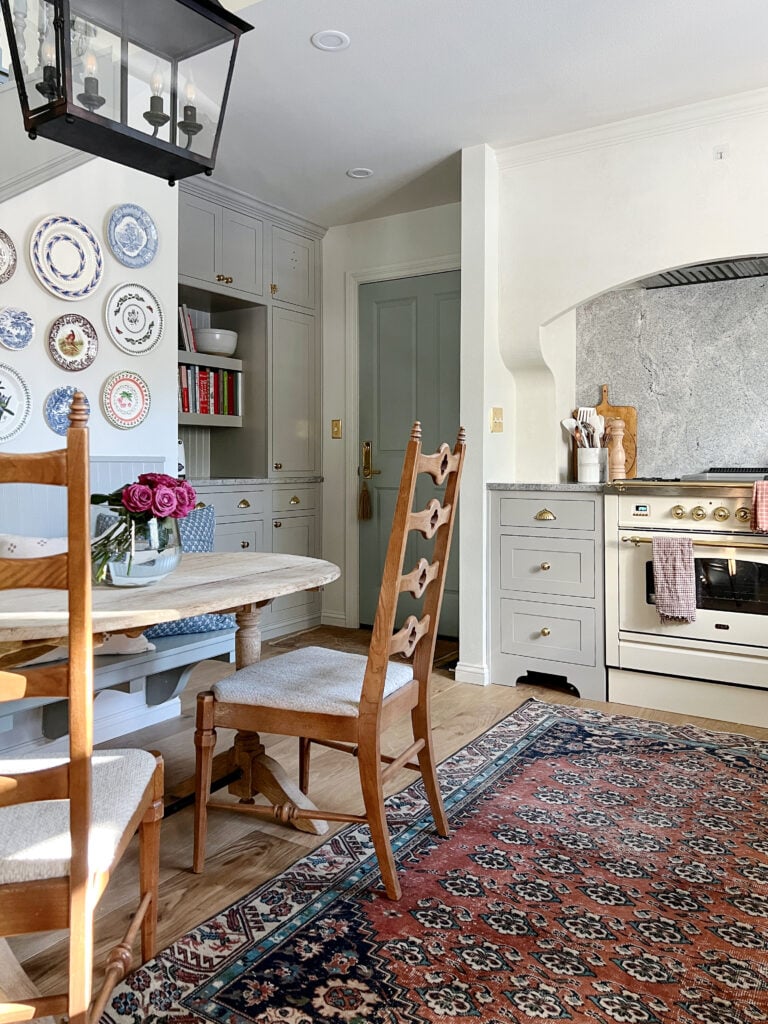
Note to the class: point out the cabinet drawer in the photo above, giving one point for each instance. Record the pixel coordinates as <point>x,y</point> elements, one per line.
<point>236,537</point>
<point>545,513</point>
<point>293,499</point>
<point>241,501</point>
<point>547,565</point>
<point>547,632</point>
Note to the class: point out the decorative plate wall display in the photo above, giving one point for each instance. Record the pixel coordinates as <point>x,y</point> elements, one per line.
<point>57,407</point>
<point>125,399</point>
<point>8,259</point>
<point>66,256</point>
<point>17,328</point>
<point>15,402</point>
<point>73,342</point>
<point>132,235</point>
<point>134,318</point>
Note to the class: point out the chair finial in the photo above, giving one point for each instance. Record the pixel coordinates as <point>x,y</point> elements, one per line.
<point>462,438</point>
<point>416,431</point>
<point>78,413</point>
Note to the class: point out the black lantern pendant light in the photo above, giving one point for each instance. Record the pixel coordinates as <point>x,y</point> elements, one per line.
<point>141,82</point>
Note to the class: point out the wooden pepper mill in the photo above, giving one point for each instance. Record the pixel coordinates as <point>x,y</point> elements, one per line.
<point>617,457</point>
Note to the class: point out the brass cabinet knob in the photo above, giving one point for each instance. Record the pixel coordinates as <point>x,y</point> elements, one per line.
<point>545,631</point>
<point>277,465</point>
<point>721,513</point>
<point>200,504</point>
<point>678,512</point>
<point>245,544</point>
<point>545,515</point>
<point>243,503</point>
<point>228,280</point>
<point>742,514</point>
<point>220,277</point>
<point>277,524</point>
<point>698,513</point>
<point>273,289</point>
<point>295,500</point>
<point>545,566</point>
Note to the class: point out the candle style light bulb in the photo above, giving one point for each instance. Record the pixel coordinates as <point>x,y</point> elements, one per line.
<point>91,67</point>
<point>189,124</point>
<point>190,92</point>
<point>49,87</point>
<point>49,55</point>
<point>156,82</point>
<point>89,97</point>
<point>156,116</point>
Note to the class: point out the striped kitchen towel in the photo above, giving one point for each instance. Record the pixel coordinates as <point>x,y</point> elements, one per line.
<point>674,579</point>
<point>758,519</point>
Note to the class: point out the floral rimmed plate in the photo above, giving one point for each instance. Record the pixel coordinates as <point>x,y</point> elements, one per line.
<point>8,258</point>
<point>73,342</point>
<point>15,402</point>
<point>125,399</point>
<point>66,257</point>
<point>17,328</point>
<point>134,318</point>
<point>132,235</point>
<point>57,408</point>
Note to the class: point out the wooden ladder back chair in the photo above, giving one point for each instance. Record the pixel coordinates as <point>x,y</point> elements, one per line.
<point>345,701</point>
<point>65,821</point>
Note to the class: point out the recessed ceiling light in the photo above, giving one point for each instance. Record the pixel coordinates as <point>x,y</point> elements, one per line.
<point>330,39</point>
<point>359,172</point>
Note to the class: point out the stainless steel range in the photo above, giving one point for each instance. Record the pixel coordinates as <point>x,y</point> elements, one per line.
<point>716,666</point>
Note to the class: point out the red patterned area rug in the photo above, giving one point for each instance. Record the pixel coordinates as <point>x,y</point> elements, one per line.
<point>599,869</point>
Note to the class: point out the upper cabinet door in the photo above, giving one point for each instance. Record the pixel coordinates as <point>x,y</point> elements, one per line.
<point>293,268</point>
<point>242,252</point>
<point>199,238</point>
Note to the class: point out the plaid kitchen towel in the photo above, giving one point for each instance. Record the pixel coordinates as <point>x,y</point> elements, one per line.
<point>674,579</point>
<point>758,520</point>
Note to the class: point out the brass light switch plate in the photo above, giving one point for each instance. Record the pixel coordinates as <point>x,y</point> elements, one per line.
<point>497,420</point>
<point>336,430</point>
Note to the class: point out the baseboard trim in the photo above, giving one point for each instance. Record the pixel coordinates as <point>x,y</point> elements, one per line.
<point>334,619</point>
<point>477,675</point>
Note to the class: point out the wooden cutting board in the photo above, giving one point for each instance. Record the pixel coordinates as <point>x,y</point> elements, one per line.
<point>628,413</point>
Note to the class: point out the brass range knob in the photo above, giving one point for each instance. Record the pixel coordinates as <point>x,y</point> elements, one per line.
<point>721,513</point>
<point>545,631</point>
<point>678,512</point>
<point>743,514</point>
<point>698,513</point>
<point>545,566</point>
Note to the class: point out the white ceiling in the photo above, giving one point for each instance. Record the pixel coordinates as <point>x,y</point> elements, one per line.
<point>425,78</point>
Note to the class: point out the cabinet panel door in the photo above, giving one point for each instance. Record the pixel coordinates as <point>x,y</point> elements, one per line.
<point>293,268</point>
<point>547,565</point>
<point>236,537</point>
<point>548,632</point>
<point>295,535</point>
<point>242,247</point>
<point>293,392</point>
<point>199,238</point>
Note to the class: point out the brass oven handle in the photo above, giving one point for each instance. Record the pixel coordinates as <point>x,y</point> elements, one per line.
<point>702,543</point>
<point>368,470</point>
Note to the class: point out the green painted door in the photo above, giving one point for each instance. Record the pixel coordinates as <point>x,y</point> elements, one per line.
<point>409,370</point>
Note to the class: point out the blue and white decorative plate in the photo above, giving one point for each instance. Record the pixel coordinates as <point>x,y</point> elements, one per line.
<point>132,235</point>
<point>57,408</point>
<point>15,402</point>
<point>17,328</point>
<point>66,257</point>
<point>134,318</point>
<point>73,342</point>
<point>8,257</point>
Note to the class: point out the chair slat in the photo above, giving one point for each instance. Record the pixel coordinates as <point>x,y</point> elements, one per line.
<point>405,639</point>
<point>438,465</point>
<point>35,468</point>
<point>44,681</point>
<point>430,519</point>
<point>20,573</point>
<point>418,579</point>
<point>44,784</point>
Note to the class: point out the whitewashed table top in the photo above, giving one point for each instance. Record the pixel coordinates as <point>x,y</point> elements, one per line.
<point>202,583</point>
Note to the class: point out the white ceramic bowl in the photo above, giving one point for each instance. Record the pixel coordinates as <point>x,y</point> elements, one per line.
<point>213,341</point>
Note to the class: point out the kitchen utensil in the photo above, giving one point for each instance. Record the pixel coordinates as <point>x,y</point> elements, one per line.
<point>584,412</point>
<point>570,424</point>
<point>628,413</point>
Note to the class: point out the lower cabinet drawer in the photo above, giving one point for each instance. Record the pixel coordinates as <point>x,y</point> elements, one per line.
<point>293,499</point>
<point>240,501</point>
<point>547,565</point>
<point>247,536</point>
<point>546,512</point>
<point>548,632</point>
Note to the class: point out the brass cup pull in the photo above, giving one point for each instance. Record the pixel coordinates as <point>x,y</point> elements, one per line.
<point>545,631</point>
<point>245,544</point>
<point>545,566</point>
<point>243,503</point>
<point>544,515</point>
<point>277,524</point>
<point>277,465</point>
<point>200,504</point>
<point>295,500</point>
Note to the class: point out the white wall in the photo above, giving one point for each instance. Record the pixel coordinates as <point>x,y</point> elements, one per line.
<point>89,193</point>
<point>426,241</point>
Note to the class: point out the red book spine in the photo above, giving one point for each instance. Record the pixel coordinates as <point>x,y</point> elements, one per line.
<point>184,388</point>
<point>231,394</point>
<point>205,392</point>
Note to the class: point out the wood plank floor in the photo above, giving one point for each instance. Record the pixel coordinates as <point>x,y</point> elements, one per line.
<point>244,852</point>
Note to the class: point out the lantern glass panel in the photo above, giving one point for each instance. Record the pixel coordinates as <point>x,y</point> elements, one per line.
<point>36,45</point>
<point>201,84</point>
<point>150,80</point>
<point>96,62</point>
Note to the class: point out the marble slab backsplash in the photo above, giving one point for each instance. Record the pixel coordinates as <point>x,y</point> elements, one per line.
<point>693,360</point>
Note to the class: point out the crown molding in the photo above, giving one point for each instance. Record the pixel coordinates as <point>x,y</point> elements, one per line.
<point>234,199</point>
<point>617,133</point>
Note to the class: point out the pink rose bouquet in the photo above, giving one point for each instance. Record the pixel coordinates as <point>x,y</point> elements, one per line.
<point>152,496</point>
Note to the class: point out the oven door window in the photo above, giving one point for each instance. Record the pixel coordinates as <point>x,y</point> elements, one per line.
<point>724,585</point>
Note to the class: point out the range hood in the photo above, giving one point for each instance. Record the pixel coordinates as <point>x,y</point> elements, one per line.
<point>707,273</point>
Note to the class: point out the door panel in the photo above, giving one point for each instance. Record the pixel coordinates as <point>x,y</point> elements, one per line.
<point>409,370</point>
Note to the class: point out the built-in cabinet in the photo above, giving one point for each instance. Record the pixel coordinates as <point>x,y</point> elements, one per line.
<point>546,578</point>
<point>219,247</point>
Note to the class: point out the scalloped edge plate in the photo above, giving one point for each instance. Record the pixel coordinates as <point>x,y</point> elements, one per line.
<point>119,223</point>
<point>71,279</point>
<point>86,344</point>
<point>129,409</point>
<point>148,314</point>
<point>8,257</point>
<point>13,386</point>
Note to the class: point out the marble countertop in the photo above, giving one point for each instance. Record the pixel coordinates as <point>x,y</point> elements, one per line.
<point>567,487</point>
<point>250,481</point>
